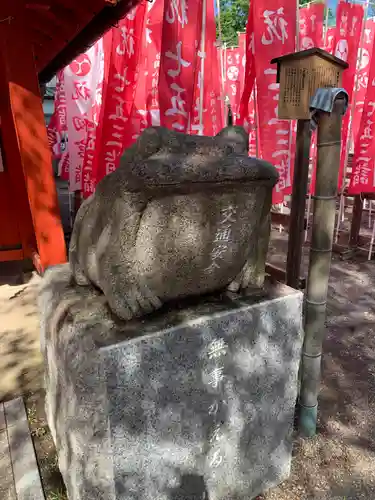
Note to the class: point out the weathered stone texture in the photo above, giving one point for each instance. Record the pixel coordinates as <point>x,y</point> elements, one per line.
<point>182,216</point>
<point>197,399</point>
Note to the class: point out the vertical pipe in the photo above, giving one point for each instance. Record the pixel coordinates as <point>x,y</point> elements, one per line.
<point>257,152</point>
<point>219,21</point>
<point>369,214</point>
<point>222,96</point>
<point>203,62</point>
<point>308,217</point>
<point>225,61</point>
<point>297,27</point>
<point>71,221</point>
<point>281,211</point>
<point>221,52</point>
<point>341,208</point>
<point>328,162</point>
<point>372,242</point>
<point>326,25</point>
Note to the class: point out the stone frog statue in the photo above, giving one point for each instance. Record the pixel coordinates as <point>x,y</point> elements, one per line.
<point>181,216</point>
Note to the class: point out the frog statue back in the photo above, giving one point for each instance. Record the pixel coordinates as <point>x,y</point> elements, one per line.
<point>181,216</point>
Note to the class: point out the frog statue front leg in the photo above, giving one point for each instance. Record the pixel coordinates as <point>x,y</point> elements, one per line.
<point>102,253</point>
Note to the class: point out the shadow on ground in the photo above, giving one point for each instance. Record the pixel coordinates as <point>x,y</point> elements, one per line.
<point>339,462</point>
<point>20,358</point>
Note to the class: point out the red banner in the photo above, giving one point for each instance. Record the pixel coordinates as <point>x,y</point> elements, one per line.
<point>365,53</point>
<point>311,21</point>
<point>154,30</point>
<point>79,78</point>
<point>138,120</point>
<point>214,96</point>
<point>93,116</point>
<point>233,76</point>
<point>206,116</point>
<point>213,89</point>
<point>122,47</point>
<point>362,177</point>
<point>252,126</point>
<point>146,111</point>
<point>58,128</point>
<point>180,44</point>
<point>348,33</point>
<point>221,66</point>
<point>247,110</point>
<point>329,40</point>
<point>52,135</point>
<point>274,35</point>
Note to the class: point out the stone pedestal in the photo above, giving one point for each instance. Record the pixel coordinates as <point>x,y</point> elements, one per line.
<point>194,402</point>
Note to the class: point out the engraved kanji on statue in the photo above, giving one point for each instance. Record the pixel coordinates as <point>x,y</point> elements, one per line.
<point>217,349</point>
<point>216,459</point>
<point>216,376</point>
<point>223,234</point>
<point>228,214</point>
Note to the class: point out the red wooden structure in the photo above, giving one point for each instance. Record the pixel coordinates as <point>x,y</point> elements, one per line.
<point>38,38</point>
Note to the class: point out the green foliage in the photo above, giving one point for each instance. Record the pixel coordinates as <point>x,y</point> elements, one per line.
<point>233,19</point>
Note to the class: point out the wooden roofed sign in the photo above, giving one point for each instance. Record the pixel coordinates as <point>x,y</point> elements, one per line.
<point>300,74</point>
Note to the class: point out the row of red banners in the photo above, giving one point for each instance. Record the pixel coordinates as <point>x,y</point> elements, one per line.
<point>161,66</point>
<point>157,67</point>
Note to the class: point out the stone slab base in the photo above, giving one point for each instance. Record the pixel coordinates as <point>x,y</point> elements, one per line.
<point>194,402</point>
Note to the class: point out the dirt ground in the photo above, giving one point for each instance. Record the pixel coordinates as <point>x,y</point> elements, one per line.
<point>339,463</point>
<point>20,357</point>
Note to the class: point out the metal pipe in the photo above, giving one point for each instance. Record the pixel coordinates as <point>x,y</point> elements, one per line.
<point>328,162</point>
<point>308,218</point>
<point>371,243</point>
<point>203,63</point>
<point>339,217</point>
<point>369,213</point>
<point>326,24</point>
<point>257,152</point>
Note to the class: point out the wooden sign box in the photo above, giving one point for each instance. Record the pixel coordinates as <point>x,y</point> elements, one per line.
<point>300,75</point>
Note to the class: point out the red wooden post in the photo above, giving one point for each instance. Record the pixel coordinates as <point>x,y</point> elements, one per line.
<point>27,154</point>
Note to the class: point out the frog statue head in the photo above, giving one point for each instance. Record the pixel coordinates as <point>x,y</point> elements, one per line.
<point>181,216</point>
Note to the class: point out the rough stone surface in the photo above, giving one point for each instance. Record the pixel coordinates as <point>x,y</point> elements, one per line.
<point>195,401</point>
<point>182,216</point>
